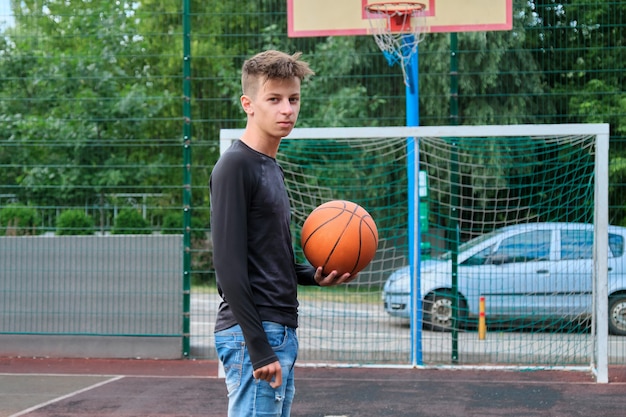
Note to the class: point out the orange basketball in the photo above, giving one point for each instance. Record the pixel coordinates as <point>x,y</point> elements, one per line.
<point>339,235</point>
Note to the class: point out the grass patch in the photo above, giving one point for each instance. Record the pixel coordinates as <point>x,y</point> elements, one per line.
<point>340,293</point>
<point>204,288</point>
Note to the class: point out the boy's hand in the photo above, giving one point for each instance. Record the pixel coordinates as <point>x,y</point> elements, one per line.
<point>271,373</point>
<point>333,278</point>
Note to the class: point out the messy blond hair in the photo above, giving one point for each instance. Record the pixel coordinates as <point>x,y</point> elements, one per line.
<point>272,65</point>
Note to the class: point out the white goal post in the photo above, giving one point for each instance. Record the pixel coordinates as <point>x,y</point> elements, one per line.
<point>597,137</point>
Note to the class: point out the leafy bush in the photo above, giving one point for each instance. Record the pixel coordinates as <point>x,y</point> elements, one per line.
<point>18,220</point>
<point>173,224</point>
<point>74,222</point>
<point>130,222</point>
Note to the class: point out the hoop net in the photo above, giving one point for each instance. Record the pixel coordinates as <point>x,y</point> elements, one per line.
<point>398,28</point>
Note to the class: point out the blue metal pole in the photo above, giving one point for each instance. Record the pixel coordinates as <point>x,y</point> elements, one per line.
<point>412,119</point>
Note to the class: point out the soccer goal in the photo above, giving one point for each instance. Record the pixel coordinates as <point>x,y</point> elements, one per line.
<point>494,245</point>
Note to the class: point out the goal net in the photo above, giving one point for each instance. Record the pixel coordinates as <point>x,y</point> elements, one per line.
<point>493,244</point>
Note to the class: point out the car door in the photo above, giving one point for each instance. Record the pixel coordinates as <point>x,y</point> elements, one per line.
<point>573,285</point>
<point>515,276</point>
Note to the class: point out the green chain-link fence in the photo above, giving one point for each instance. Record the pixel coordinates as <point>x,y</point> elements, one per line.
<point>110,115</point>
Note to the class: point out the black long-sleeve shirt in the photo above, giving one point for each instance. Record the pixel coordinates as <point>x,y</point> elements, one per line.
<point>253,256</point>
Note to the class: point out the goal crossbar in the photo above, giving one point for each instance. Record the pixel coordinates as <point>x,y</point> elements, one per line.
<point>436,131</point>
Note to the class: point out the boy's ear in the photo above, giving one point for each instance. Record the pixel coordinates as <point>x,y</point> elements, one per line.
<point>246,104</point>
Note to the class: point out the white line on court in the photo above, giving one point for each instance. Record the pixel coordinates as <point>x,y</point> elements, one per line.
<point>71,394</point>
<point>117,376</point>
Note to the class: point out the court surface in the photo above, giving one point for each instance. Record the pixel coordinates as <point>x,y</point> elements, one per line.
<point>37,387</point>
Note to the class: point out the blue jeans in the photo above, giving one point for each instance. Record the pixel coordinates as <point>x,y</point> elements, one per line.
<point>248,396</point>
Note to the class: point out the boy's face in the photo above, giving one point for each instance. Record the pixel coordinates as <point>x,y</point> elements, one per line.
<point>273,107</point>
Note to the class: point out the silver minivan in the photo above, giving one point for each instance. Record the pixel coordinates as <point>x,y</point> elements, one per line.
<point>533,272</point>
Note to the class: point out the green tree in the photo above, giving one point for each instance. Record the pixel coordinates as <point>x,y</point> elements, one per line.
<point>570,40</point>
<point>580,44</point>
<point>80,101</point>
<point>90,89</point>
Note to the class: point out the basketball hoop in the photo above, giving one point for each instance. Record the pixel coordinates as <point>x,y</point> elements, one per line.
<point>390,23</point>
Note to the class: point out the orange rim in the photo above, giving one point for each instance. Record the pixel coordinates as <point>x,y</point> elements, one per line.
<point>395,7</point>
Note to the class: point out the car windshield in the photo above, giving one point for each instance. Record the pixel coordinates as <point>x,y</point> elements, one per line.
<point>468,245</point>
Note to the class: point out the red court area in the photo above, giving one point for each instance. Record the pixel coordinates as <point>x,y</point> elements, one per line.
<point>38,387</point>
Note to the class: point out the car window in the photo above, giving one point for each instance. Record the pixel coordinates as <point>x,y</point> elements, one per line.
<point>616,245</point>
<point>479,258</point>
<point>576,244</point>
<point>469,245</point>
<point>523,247</point>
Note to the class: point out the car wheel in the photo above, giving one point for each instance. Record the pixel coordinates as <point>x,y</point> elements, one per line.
<point>438,312</point>
<point>617,315</point>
